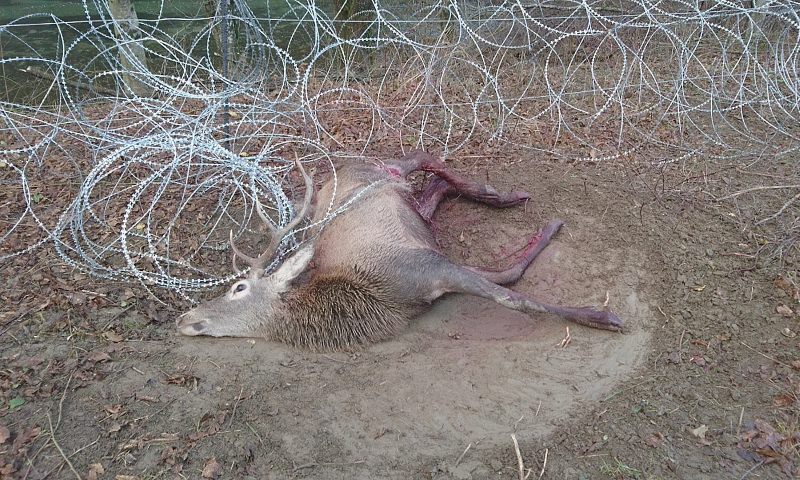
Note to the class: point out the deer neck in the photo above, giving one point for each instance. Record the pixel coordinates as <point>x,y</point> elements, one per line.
<point>340,311</point>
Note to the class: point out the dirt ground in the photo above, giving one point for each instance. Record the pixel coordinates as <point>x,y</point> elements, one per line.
<point>95,383</point>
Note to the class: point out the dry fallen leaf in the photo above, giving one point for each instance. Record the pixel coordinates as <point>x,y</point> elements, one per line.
<point>784,310</point>
<point>95,470</point>
<point>27,436</point>
<point>674,357</point>
<point>790,290</point>
<point>761,442</point>
<point>655,440</point>
<point>112,336</point>
<point>698,360</point>
<point>700,432</point>
<point>98,356</point>
<point>76,298</point>
<point>212,469</point>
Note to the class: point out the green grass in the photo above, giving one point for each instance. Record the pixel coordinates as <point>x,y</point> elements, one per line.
<point>619,470</point>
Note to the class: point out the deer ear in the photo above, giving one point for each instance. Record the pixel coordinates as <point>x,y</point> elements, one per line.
<point>293,266</point>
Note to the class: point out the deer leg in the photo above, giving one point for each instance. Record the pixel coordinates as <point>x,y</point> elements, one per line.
<point>534,247</point>
<point>422,160</point>
<point>433,194</point>
<point>473,190</point>
<point>462,280</point>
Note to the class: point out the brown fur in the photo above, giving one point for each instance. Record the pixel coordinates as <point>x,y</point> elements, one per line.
<point>341,311</point>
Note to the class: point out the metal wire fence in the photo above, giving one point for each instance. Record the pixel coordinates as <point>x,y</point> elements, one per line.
<point>132,149</point>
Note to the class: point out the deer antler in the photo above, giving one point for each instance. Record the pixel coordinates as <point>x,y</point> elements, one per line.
<point>277,234</point>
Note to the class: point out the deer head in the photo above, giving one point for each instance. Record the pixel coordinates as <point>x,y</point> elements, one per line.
<point>251,302</point>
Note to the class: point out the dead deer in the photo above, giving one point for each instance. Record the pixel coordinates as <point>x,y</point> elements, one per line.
<point>376,266</point>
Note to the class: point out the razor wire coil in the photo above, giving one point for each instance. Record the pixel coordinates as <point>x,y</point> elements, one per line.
<point>213,137</point>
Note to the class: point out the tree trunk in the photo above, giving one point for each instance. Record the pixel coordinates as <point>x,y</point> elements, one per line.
<point>132,56</point>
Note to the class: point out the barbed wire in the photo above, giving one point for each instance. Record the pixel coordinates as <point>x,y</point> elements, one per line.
<point>132,148</point>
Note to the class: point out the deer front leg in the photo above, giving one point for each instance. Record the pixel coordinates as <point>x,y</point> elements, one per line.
<point>534,247</point>
<point>433,194</point>
<point>462,280</point>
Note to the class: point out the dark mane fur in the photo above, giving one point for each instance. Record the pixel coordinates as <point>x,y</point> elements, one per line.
<point>340,311</point>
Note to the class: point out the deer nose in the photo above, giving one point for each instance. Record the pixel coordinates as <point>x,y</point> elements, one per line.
<point>190,325</point>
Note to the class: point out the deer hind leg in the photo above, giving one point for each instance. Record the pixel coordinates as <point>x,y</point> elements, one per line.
<point>534,247</point>
<point>422,160</point>
<point>454,278</point>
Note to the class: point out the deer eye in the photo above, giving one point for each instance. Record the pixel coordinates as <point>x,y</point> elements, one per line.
<point>240,288</point>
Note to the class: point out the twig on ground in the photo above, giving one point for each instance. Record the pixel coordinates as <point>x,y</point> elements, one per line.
<point>58,447</point>
<point>565,341</point>
<point>747,473</point>
<point>765,355</point>
<point>780,211</point>
<point>117,315</point>
<point>631,388</point>
<point>235,405</point>
<point>461,457</point>
<point>147,417</point>
<point>61,463</point>
<point>739,426</point>
<point>327,464</point>
<point>19,317</point>
<point>337,360</point>
<point>520,463</point>
<point>260,440</point>
<point>63,396</point>
<point>756,189</point>
<point>520,419</point>
<point>544,464</point>
<point>31,459</point>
